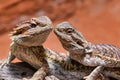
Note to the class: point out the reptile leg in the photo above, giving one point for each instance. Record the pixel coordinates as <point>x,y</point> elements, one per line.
<point>7,60</point>
<point>95,73</point>
<point>40,74</point>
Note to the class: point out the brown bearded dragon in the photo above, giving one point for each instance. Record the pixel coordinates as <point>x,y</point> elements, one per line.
<point>27,46</point>
<point>86,53</point>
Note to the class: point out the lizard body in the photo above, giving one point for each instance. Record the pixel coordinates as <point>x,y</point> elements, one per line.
<point>86,53</point>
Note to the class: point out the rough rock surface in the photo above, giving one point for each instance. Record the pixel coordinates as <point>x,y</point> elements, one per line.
<point>16,71</point>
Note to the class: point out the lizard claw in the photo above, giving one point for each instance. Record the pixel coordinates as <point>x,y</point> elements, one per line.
<point>67,66</point>
<point>51,78</point>
<point>87,78</point>
<point>35,78</point>
<point>101,77</point>
<point>27,79</point>
<point>24,79</point>
<point>5,62</point>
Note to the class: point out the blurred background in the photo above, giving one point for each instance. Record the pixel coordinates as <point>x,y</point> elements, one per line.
<point>98,20</point>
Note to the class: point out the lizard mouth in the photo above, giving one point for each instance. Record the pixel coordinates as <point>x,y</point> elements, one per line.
<point>28,28</point>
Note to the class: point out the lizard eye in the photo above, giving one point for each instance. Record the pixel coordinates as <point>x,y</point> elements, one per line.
<point>69,30</point>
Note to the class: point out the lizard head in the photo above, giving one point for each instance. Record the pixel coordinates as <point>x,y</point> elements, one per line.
<point>33,32</point>
<point>71,39</point>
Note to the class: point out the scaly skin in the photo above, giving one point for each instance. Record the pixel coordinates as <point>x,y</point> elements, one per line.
<point>86,53</point>
<point>27,46</point>
<point>74,71</point>
<point>27,40</point>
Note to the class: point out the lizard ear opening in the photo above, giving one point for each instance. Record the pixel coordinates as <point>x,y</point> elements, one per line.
<point>79,42</point>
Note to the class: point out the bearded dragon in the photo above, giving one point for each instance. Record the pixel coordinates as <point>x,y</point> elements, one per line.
<point>26,45</point>
<point>87,53</point>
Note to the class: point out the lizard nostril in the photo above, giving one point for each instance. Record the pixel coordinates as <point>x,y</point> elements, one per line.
<point>33,25</point>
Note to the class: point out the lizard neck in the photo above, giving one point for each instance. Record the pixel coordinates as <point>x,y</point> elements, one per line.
<point>33,55</point>
<point>15,46</point>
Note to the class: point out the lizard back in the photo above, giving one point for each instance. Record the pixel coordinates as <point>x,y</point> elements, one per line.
<point>107,50</point>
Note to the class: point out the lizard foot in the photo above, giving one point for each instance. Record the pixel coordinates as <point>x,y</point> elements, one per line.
<point>67,66</point>
<point>100,77</point>
<point>94,74</point>
<point>51,78</point>
<point>5,62</point>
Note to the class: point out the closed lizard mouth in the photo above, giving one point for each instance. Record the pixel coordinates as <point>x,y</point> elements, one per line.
<point>22,29</point>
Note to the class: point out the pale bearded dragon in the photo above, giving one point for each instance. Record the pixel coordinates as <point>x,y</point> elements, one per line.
<point>27,46</point>
<point>86,53</point>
